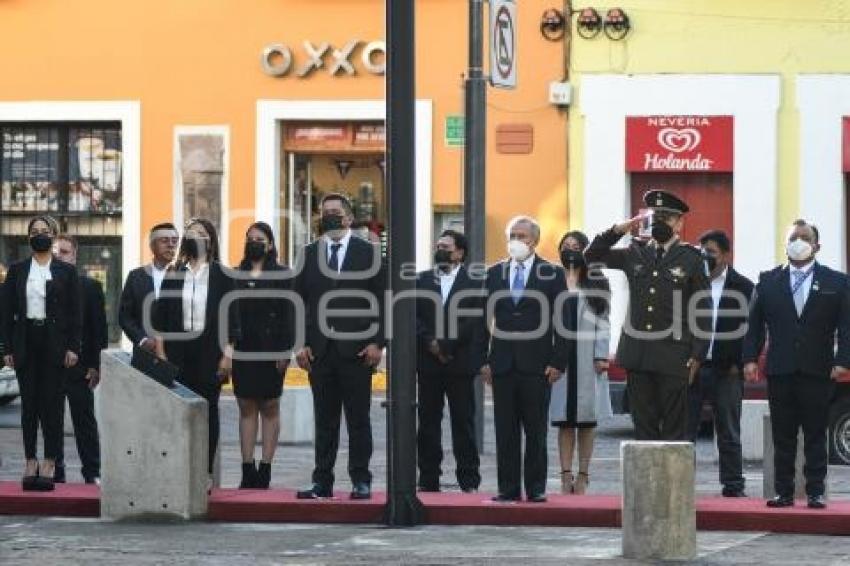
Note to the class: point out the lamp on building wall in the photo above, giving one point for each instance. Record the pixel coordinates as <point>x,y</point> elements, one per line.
<point>616,24</point>
<point>552,24</point>
<point>588,23</point>
<point>343,166</point>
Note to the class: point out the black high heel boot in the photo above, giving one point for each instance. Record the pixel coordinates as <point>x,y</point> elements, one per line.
<point>264,475</point>
<point>249,476</point>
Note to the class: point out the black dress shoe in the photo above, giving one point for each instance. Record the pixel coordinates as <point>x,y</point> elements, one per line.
<point>505,498</point>
<point>536,498</point>
<point>361,491</point>
<point>817,502</point>
<point>469,489</point>
<point>315,492</point>
<point>43,483</point>
<point>733,492</point>
<point>249,475</point>
<point>781,501</point>
<point>59,474</point>
<point>264,475</point>
<point>28,483</point>
<point>429,488</point>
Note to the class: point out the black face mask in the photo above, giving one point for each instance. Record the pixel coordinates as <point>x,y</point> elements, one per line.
<point>255,251</point>
<point>572,259</point>
<point>442,258</point>
<point>41,242</point>
<point>331,223</point>
<point>193,247</point>
<point>661,232</point>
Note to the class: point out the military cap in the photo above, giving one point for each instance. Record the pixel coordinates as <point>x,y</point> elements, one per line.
<point>664,201</point>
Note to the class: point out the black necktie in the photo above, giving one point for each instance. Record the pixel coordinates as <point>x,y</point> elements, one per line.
<point>333,261</point>
<point>659,253</point>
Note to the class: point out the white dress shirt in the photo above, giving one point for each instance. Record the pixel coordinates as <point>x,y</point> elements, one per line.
<point>158,275</point>
<point>340,254</point>
<point>37,289</point>
<point>807,283</point>
<point>195,288</point>
<point>447,281</point>
<point>717,285</point>
<point>527,264</point>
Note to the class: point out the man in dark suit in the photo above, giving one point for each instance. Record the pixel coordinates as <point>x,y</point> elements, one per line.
<point>80,380</point>
<point>658,348</point>
<point>525,356</point>
<point>448,359</point>
<point>805,309</point>
<point>341,281</point>
<point>720,378</point>
<point>144,283</point>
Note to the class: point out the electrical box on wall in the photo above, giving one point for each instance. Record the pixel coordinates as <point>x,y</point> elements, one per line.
<point>560,93</point>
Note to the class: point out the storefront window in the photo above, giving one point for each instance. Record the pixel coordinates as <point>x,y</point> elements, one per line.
<point>72,171</point>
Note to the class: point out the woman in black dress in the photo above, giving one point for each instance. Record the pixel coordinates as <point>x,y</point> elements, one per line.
<point>190,301</point>
<point>267,336</point>
<point>41,334</point>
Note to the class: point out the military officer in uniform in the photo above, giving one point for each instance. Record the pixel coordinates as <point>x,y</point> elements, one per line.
<point>659,349</point>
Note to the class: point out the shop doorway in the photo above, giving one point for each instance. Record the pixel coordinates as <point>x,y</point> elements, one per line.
<point>709,196</point>
<point>324,158</point>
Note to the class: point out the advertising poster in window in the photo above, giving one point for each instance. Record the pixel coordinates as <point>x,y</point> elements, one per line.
<point>29,169</point>
<point>201,169</point>
<point>94,179</point>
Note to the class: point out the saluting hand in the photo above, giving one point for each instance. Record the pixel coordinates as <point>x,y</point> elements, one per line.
<point>629,225</point>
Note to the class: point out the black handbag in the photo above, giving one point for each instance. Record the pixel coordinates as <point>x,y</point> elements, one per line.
<point>156,368</point>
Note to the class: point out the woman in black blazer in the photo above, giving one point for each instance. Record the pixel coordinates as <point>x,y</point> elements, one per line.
<point>41,332</point>
<point>267,336</point>
<point>191,295</point>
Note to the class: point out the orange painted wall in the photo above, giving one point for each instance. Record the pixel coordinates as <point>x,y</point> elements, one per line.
<point>196,62</point>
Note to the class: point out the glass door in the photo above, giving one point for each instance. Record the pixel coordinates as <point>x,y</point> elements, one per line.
<point>300,205</point>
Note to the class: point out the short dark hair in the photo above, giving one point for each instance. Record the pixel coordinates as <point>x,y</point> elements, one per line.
<point>163,226</point>
<point>802,222</point>
<point>460,240</point>
<point>719,237</point>
<point>70,238</point>
<point>346,203</point>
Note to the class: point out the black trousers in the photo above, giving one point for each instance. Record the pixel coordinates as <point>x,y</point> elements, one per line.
<point>659,405</point>
<point>725,392</point>
<point>198,373</point>
<point>81,402</point>
<point>40,384</point>
<point>459,390</point>
<point>521,405</point>
<point>799,400</point>
<point>341,384</point>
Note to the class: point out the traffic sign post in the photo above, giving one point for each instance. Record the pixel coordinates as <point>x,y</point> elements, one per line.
<point>503,43</point>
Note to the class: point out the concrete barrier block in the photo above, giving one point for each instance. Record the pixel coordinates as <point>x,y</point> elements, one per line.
<point>296,416</point>
<point>154,445</point>
<point>769,476</point>
<point>659,513</point>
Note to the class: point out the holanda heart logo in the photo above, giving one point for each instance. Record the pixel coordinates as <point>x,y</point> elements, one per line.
<point>679,141</point>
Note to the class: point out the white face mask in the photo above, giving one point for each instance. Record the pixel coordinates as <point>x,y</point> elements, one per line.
<point>518,250</point>
<point>799,250</point>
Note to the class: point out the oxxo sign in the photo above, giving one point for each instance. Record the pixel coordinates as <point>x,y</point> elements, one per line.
<point>277,59</point>
<point>679,143</point>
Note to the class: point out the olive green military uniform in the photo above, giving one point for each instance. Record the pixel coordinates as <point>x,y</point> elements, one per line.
<point>657,339</point>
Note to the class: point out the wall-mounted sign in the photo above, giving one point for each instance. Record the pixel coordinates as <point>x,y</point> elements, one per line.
<point>277,60</point>
<point>679,143</point>
<point>454,132</point>
<point>503,43</point>
<point>335,137</point>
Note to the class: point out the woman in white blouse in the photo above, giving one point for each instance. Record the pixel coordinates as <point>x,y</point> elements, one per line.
<point>41,336</point>
<point>191,295</point>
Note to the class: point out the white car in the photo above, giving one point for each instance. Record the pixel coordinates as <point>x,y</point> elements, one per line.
<point>8,386</point>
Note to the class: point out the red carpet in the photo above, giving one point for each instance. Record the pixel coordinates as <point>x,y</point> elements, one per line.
<point>67,500</point>
<point>277,505</point>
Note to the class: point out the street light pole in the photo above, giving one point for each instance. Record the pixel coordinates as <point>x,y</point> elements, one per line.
<point>403,507</point>
<point>474,160</point>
